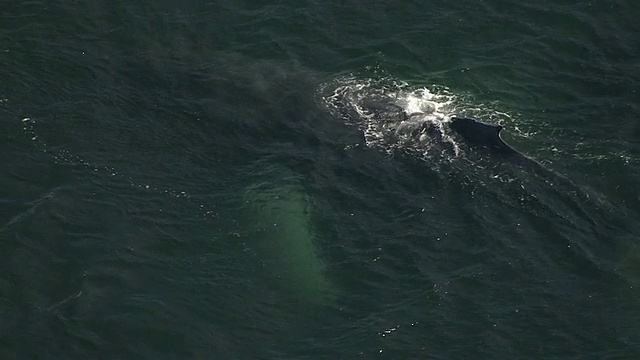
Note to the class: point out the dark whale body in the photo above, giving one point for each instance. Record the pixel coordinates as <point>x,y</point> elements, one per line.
<point>487,135</point>
<point>475,133</point>
<point>484,134</point>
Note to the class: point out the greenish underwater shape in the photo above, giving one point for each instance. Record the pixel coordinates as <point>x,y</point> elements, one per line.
<point>282,228</point>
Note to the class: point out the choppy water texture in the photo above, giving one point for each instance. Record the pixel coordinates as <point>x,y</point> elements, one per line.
<point>223,180</point>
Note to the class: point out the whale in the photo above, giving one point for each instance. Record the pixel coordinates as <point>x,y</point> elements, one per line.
<point>281,229</point>
<point>391,116</point>
<point>458,137</point>
<point>485,134</point>
<point>481,134</point>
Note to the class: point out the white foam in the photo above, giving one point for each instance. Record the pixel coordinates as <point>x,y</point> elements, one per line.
<point>348,99</point>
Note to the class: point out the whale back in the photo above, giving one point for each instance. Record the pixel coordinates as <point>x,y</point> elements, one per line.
<point>481,133</point>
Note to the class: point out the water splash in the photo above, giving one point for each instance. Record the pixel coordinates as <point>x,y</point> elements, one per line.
<point>394,116</point>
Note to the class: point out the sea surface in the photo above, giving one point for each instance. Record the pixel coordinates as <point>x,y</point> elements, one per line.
<point>278,180</point>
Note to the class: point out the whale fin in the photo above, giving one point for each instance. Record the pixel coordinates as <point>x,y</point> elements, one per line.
<point>482,133</point>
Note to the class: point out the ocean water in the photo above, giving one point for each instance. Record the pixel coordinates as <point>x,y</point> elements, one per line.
<point>237,180</point>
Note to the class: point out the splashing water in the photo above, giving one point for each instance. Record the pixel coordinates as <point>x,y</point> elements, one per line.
<point>393,116</point>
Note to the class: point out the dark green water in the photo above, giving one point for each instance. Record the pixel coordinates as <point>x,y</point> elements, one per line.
<point>192,180</point>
